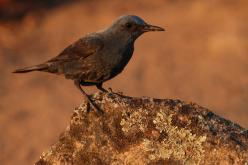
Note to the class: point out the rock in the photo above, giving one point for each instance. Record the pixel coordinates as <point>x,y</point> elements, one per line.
<point>147,131</point>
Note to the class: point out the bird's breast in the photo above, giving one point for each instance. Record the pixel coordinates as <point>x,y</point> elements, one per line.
<point>114,60</point>
<point>118,57</point>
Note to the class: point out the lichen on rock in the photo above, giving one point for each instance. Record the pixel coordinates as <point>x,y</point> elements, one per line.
<point>187,147</point>
<point>135,120</point>
<point>147,131</point>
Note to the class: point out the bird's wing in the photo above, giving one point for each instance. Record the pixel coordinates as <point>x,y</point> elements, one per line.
<point>82,48</point>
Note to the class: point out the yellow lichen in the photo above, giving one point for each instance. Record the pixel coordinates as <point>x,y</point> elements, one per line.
<point>179,143</point>
<point>135,120</point>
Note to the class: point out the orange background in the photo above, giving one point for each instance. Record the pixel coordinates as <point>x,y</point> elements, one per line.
<point>202,57</point>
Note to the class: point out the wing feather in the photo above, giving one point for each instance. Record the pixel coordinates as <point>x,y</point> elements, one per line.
<point>80,49</point>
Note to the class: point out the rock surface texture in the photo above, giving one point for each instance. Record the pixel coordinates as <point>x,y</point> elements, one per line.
<point>147,131</point>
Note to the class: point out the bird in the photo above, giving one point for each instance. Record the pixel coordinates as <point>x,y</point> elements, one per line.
<point>97,57</point>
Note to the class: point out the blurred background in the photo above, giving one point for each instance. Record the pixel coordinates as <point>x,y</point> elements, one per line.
<point>202,57</point>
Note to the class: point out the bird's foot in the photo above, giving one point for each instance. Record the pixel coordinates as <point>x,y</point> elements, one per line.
<point>93,105</point>
<point>109,90</point>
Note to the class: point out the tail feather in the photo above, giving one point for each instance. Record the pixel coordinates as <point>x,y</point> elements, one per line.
<point>40,67</point>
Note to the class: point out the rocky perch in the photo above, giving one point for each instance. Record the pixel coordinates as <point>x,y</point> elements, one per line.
<point>147,131</point>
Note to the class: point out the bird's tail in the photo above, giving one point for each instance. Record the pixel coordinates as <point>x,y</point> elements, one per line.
<point>40,67</point>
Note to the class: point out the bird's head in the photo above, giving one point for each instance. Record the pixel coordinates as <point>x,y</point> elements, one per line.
<point>133,26</point>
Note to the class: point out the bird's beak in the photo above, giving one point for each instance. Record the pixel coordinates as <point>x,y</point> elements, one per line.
<point>148,28</point>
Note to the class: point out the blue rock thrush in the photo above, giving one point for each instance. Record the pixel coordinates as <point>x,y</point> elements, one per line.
<point>99,56</point>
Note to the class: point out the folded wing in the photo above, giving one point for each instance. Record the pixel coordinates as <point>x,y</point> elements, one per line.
<point>82,48</point>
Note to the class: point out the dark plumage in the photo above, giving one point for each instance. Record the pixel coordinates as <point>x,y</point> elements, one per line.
<point>99,56</point>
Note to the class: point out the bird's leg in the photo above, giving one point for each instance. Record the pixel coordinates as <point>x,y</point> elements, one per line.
<point>77,83</point>
<point>99,86</point>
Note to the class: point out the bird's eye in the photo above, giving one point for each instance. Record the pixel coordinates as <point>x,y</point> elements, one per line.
<point>128,25</point>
